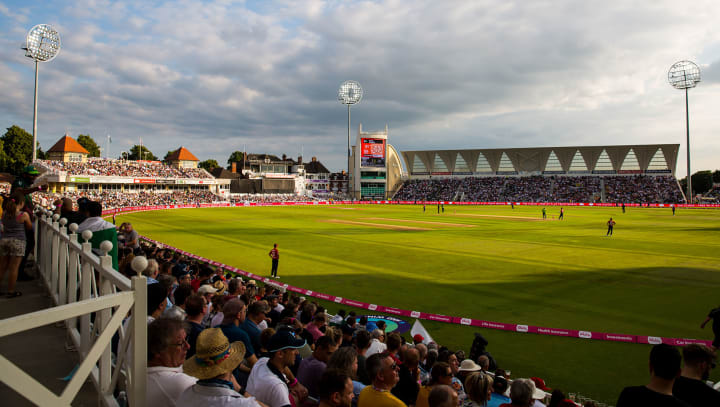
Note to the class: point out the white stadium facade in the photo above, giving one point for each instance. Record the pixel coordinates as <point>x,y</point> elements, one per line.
<point>647,159</point>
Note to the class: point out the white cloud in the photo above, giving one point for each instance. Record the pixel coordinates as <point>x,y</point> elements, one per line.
<point>19,15</point>
<point>485,73</point>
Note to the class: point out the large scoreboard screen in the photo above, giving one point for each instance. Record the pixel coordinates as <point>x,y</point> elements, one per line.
<point>372,153</point>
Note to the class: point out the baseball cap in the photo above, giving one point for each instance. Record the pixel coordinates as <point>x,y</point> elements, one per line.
<point>284,339</point>
<point>31,170</point>
<point>540,384</point>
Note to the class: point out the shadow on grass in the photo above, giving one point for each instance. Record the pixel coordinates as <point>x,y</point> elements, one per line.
<point>582,302</point>
<point>638,301</point>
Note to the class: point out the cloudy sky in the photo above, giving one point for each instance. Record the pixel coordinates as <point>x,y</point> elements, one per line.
<point>215,76</point>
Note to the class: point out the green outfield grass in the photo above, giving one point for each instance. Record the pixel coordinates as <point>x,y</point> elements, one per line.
<point>659,275</point>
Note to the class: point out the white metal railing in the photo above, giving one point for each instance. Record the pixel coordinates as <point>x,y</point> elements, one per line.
<point>93,300</point>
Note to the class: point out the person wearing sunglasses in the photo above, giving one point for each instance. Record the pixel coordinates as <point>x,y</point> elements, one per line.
<point>383,371</point>
<point>440,374</point>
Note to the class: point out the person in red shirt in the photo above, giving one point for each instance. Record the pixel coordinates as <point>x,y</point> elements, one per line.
<point>611,225</point>
<point>275,256</point>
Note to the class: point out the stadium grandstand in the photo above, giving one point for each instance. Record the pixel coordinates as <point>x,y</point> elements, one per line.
<point>569,174</point>
<point>69,172</point>
<point>611,174</point>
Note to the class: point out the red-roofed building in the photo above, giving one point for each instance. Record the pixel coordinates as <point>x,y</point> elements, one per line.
<point>182,158</point>
<point>67,149</point>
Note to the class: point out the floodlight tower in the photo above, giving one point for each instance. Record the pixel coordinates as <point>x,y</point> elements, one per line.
<point>42,44</point>
<point>684,75</point>
<point>350,93</point>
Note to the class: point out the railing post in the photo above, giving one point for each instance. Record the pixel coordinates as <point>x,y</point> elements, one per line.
<point>55,250</point>
<point>36,232</point>
<point>62,265</point>
<point>72,274</point>
<point>86,281</point>
<point>45,253</point>
<point>138,340</point>
<point>104,364</point>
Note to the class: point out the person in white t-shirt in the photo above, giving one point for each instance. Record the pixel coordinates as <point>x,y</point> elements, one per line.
<point>267,382</point>
<point>376,344</point>
<point>167,347</point>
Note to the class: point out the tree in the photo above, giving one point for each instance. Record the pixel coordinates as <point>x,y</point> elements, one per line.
<point>41,155</point>
<point>702,182</point>
<point>17,149</point>
<point>716,176</point>
<point>135,153</point>
<point>235,157</point>
<point>209,164</point>
<point>3,157</point>
<point>90,145</point>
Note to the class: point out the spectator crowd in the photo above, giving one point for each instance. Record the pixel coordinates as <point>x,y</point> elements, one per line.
<point>642,189</point>
<point>116,199</point>
<point>617,189</point>
<point>121,168</point>
<point>217,339</point>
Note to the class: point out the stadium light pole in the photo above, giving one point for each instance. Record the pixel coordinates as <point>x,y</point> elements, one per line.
<point>42,44</point>
<point>350,93</point>
<point>684,75</point>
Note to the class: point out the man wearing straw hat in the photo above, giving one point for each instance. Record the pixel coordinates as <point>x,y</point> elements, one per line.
<point>213,363</point>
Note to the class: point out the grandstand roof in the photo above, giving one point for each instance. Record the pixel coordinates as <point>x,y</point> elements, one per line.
<point>271,157</point>
<point>316,167</point>
<point>623,159</point>
<point>67,144</point>
<point>182,154</point>
<point>222,173</point>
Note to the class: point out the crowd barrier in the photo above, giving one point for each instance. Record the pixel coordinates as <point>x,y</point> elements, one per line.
<point>520,328</point>
<point>312,203</point>
<point>91,301</point>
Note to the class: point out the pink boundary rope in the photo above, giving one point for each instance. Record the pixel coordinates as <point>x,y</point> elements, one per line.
<point>570,333</point>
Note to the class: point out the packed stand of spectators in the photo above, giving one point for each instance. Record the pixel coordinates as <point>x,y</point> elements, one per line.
<point>268,198</point>
<point>429,189</point>
<point>331,196</point>
<point>217,339</point>
<point>122,168</point>
<point>576,189</point>
<point>114,200</point>
<point>628,189</point>
<point>528,189</point>
<point>642,189</point>
<point>482,189</point>
<point>713,194</point>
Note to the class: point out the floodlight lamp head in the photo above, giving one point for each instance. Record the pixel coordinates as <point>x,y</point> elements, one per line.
<point>350,93</point>
<point>684,75</point>
<point>42,43</point>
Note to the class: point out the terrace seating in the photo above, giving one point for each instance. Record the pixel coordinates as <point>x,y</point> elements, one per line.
<point>642,189</point>
<point>617,189</point>
<point>122,168</point>
<point>291,302</point>
<point>114,200</point>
